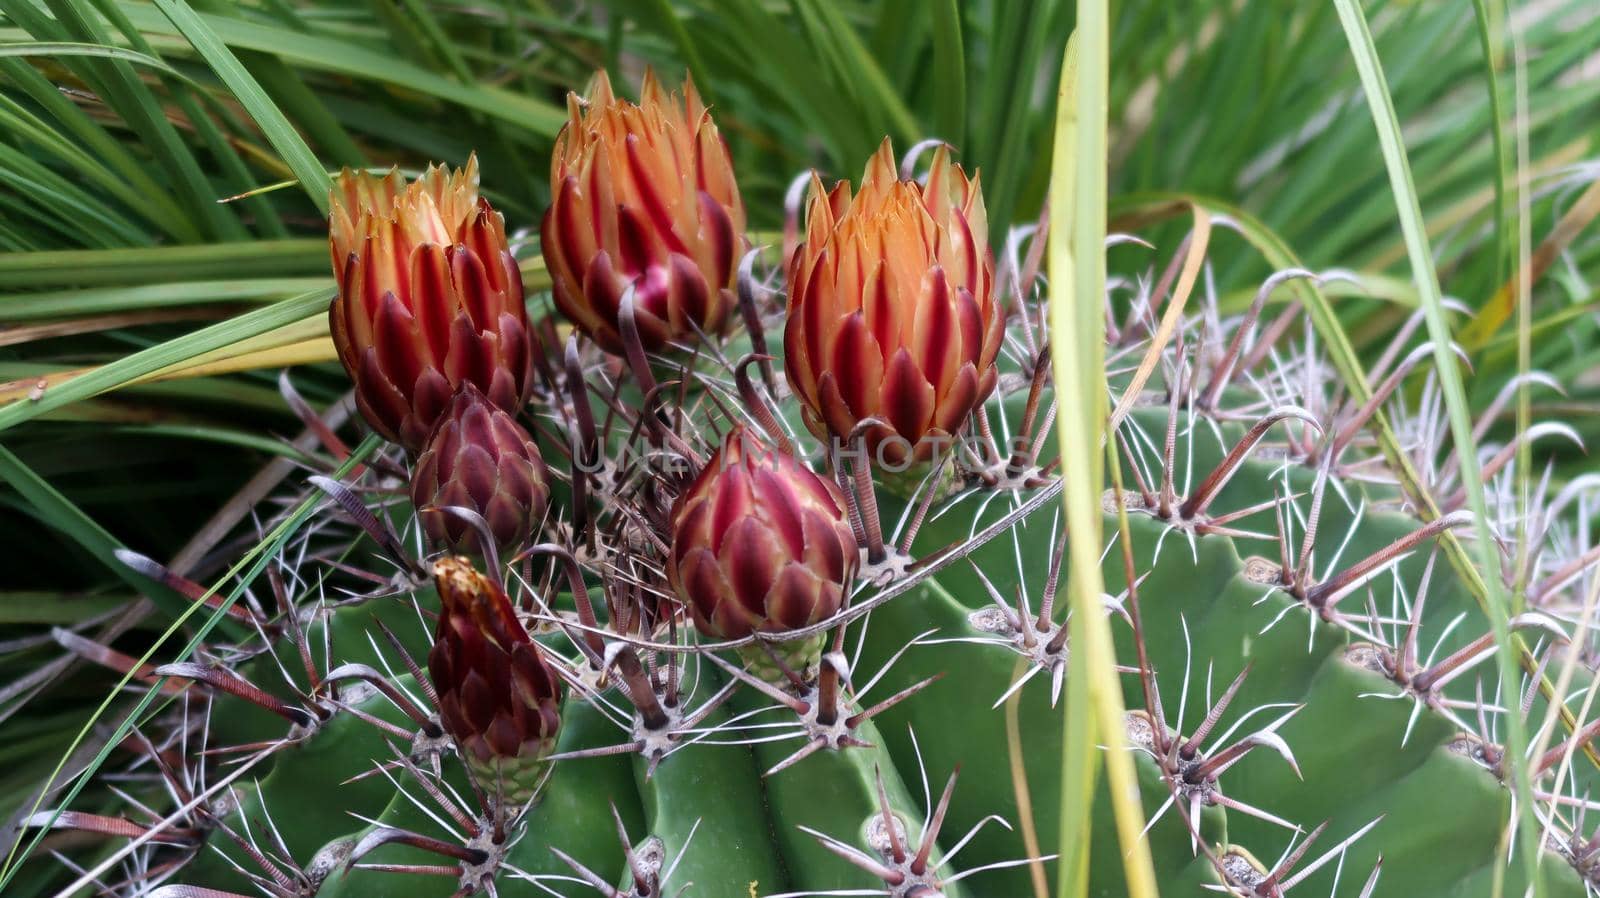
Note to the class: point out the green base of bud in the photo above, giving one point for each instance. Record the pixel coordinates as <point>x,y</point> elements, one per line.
<point>518,781</point>
<point>909,482</point>
<point>802,656</point>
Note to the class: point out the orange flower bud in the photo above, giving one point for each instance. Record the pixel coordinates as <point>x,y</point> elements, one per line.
<point>429,297</point>
<point>642,195</point>
<point>891,308</point>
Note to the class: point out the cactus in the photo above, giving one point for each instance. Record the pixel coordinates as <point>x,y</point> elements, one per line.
<point>1300,650</point>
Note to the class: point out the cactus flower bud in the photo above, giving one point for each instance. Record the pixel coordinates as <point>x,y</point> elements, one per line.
<point>479,457</point>
<point>760,543</point>
<point>891,309</point>
<point>429,297</point>
<point>498,697</point>
<point>642,195</point>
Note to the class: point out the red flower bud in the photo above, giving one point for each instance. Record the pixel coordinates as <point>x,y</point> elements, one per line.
<point>760,543</point>
<point>498,697</point>
<point>479,457</point>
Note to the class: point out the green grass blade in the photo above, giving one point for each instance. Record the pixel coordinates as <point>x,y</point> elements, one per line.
<point>1489,25</point>
<point>77,128</point>
<point>1009,142</point>
<point>1094,719</point>
<point>1078,768</point>
<point>138,103</point>
<point>862,66</point>
<point>669,17</point>
<point>163,264</point>
<point>949,73</point>
<point>57,512</point>
<point>58,204</point>
<point>303,107</point>
<point>47,49</point>
<point>81,165</point>
<point>1413,227</point>
<point>282,135</point>
<point>236,176</point>
<point>56,304</point>
<point>359,60</point>
<point>125,370</point>
<point>241,575</point>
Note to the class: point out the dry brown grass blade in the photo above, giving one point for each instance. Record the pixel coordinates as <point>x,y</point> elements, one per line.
<point>16,335</point>
<point>1019,784</point>
<point>297,344</point>
<point>1498,309</point>
<point>1199,241</point>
